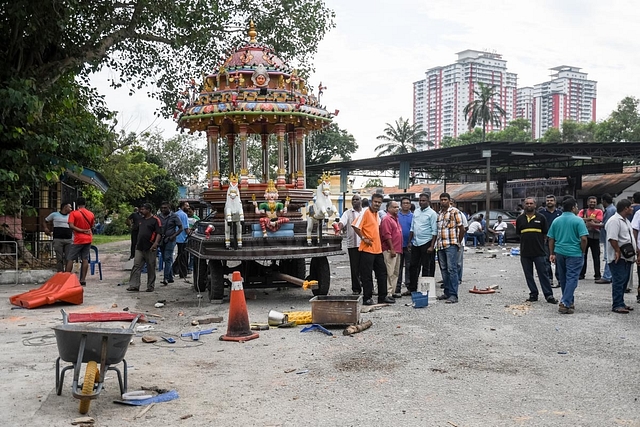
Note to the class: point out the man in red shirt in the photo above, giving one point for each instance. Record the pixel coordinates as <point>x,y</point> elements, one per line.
<point>367,227</point>
<point>593,220</point>
<point>81,221</point>
<point>391,236</point>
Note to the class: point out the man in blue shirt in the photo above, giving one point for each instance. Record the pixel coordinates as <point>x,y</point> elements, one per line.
<point>171,229</point>
<point>609,211</point>
<point>550,212</point>
<point>180,266</point>
<point>405,217</point>
<point>424,229</point>
<point>567,243</point>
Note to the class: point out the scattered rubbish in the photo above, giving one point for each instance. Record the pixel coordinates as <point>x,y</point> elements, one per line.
<point>259,327</point>
<point>290,324</point>
<point>155,322</point>
<point>180,314</point>
<point>18,308</point>
<point>276,318</point>
<point>419,299</point>
<point>144,411</point>
<point>103,317</point>
<point>492,329</point>
<point>114,305</point>
<point>186,417</point>
<point>125,309</point>
<point>82,420</point>
<point>300,317</point>
<point>207,320</point>
<point>562,352</point>
<point>159,305</point>
<point>162,301</point>
<point>164,397</point>
<point>369,308</point>
<point>169,340</point>
<point>487,290</point>
<point>354,329</point>
<point>515,251</point>
<point>195,335</point>
<point>316,327</point>
<point>136,395</point>
<point>303,371</point>
<point>149,339</point>
<point>156,388</point>
<point>288,371</point>
<point>144,328</point>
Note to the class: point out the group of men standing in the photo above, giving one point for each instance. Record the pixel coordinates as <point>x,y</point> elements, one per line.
<point>399,241</point>
<point>564,236</point>
<point>166,231</point>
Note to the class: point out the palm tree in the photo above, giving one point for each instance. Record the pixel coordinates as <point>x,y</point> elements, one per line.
<point>402,138</point>
<point>484,110</point>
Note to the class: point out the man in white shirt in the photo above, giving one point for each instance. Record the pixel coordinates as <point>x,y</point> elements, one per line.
<point>353,241</point>
<point>475,229</point>
<point>498,230</point>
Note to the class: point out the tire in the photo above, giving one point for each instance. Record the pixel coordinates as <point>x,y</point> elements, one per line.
<point>90,377</point>
<point>200,275</point>
<point>216,280</point>
<point>319,270</point>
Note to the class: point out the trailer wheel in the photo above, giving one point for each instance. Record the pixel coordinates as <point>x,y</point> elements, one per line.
<point>216,280</point>
<point>90,376</point>
<point>200,274</point>
<point>319,270</point>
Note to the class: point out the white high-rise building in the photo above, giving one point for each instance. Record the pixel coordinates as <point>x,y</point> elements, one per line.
<point>567,96</point>
<point>439,99</point>
<point>524,105</point>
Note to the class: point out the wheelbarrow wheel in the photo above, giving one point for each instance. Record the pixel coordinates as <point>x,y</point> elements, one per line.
<point>90,378</point>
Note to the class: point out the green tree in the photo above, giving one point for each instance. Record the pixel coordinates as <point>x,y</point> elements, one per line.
<point>322,146</point>
<point>484,110</point>
<point>50,119</point>
<point>180,156</point>
<point>552,135</point>
<point>373,182</point>
<point>149,42</point>
<point>518,130</point>
<point>622,125</point>
<point>43,134</point>
<point>402,137</point>
<point>472,137</point>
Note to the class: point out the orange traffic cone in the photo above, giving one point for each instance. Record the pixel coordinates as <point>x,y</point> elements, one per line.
<point>238,328</point>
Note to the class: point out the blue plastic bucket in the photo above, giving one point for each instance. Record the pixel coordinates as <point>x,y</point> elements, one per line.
<point>419,299</point>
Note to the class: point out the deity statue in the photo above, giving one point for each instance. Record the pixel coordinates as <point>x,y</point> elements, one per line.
<point>260,77</point>
<point>271,209</point>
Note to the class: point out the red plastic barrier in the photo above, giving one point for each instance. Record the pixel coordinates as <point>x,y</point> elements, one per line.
<point>62,287</point>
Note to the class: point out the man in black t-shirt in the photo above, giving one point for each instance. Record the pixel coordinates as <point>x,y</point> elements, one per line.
<point>149,234</point>
<point>532,228</point>
<point>133,222</point>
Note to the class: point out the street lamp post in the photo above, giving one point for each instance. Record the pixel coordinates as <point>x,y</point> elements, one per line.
<point>487,155</point>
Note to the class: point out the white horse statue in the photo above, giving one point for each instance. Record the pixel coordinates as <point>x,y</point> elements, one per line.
<point>322,207</point>
<point>233,212</point>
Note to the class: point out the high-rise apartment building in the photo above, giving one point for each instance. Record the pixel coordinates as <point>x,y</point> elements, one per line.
<point>567,96</point>
<point>439,99</point>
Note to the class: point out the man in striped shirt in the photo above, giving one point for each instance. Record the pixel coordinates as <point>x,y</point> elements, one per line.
<point>450,236</point>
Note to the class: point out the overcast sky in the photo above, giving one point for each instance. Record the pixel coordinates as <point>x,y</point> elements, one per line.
<point>379,48</point>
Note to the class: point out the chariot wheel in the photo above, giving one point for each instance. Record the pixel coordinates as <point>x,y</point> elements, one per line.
<point>216,280</point>
<point>200,274</point>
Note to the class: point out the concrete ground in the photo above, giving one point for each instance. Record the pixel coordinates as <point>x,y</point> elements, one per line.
<point>490,360</point>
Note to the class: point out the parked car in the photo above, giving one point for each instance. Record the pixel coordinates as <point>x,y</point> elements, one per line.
<point>507,216</point>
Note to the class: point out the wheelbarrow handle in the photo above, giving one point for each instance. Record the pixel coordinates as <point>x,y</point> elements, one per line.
<point>134,321</point>
<point>65,316</point>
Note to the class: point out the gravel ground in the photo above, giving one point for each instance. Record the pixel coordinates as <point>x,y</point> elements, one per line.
<point>490,360</point>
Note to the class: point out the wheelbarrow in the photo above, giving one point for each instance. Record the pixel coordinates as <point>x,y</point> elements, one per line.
<point>78,344</point>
